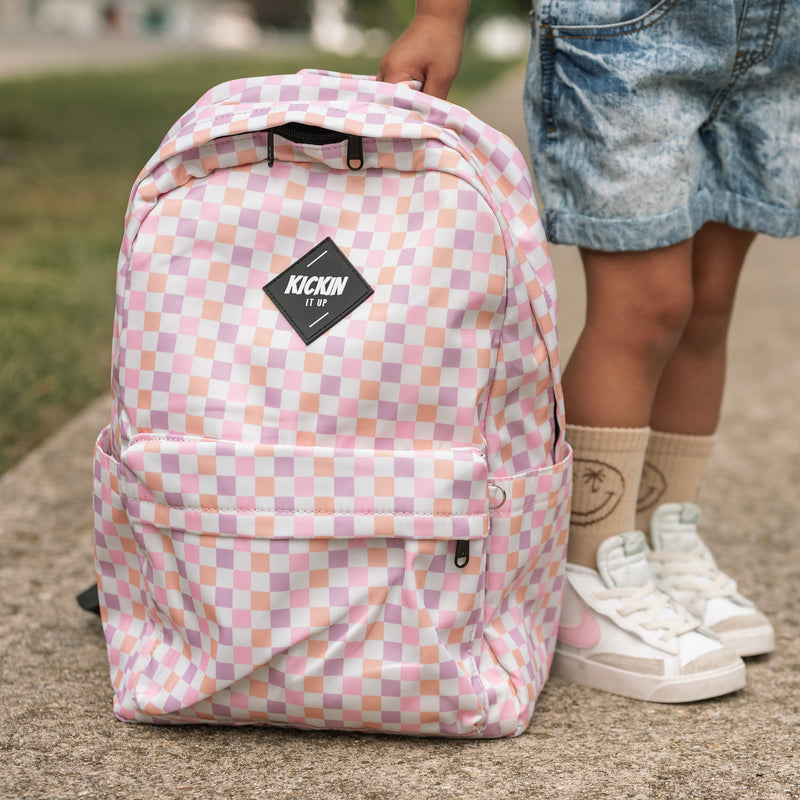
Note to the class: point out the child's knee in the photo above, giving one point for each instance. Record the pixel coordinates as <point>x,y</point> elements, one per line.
<point>714,299</point>
<point>671,309</point>
<point>641,300</point>
<point>656,320</point>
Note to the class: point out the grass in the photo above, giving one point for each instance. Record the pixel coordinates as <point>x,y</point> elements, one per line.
<point>70,147</point>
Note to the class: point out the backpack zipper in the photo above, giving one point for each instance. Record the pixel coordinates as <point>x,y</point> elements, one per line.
<point>462,553</point>
<point>300,133</point>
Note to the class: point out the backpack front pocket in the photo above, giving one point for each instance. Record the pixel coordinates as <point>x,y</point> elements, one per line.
<point>307,586</point>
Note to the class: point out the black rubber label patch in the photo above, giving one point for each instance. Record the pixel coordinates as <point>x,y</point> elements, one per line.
<point>318,290</point>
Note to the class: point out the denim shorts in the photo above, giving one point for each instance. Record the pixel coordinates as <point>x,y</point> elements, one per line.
<point>648,119</point>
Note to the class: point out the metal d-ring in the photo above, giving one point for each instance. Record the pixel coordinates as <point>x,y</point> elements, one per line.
<point>503,499</point>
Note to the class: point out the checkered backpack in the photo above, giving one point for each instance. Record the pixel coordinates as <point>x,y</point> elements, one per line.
<point>334,490</point>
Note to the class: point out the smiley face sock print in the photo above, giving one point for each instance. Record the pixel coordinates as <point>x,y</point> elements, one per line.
<point>673,472</point>
<point>607,471</point>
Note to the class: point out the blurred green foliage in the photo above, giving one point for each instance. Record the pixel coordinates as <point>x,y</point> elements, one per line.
<point>389,15</point>
<point>394,15</point>
<point>71,146</point>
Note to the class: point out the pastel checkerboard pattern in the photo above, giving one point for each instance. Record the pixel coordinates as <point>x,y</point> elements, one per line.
<point>276,522</point>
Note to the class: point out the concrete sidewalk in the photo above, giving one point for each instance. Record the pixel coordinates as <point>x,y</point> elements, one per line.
<point>30,55</point>
<point>59,739</point>
<point>27,56</point>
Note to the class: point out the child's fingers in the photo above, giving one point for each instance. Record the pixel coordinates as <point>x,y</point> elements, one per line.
<point>428,52</point>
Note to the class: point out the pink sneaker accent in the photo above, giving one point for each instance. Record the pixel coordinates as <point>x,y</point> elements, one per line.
<point>583,636</point>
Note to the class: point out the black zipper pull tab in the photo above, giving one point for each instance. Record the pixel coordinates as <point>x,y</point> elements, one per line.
<point>355,153</point>
<point>462,553</point>
<point>270,147</point>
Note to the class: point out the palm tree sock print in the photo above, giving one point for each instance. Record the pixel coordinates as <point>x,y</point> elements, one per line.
<point>674,466</point>
<point>606,473</point>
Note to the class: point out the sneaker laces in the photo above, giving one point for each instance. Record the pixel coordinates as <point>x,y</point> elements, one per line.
<point>691,571</point>
<point>653,603</point>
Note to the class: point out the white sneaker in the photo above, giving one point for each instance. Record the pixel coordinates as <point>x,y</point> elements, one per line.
<point>621,634</point>
<point>683,567</point>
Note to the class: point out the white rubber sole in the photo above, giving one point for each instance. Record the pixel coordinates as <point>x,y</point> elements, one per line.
<point>651,688</point>
<point>755,642</point>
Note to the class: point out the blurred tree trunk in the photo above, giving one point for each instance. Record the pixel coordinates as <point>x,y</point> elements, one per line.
<point>279,14</point>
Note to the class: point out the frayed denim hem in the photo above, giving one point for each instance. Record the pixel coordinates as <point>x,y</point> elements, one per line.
<point>663,230</point>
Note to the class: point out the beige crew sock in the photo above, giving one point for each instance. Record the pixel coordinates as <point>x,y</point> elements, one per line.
<point>673,472</point>
<point>606,473</point>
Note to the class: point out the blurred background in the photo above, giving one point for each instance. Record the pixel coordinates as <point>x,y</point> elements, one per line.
<point>87,90</point>
<point>346,27</point>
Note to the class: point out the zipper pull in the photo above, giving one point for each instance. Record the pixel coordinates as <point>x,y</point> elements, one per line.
<point>270,147</point>
<point>462,553</point>
<point>355,153</point>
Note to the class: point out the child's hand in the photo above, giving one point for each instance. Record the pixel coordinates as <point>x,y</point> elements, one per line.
<point>428,51</point>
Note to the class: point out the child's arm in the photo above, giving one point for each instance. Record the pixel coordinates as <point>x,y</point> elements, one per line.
<point>430,48</point>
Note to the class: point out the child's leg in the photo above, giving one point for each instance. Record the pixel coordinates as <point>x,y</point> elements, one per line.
<point>685,415</point>
<point>689,395</point>
<point>687,404</point>
<point>615,624</point>
<point>638,304</point>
